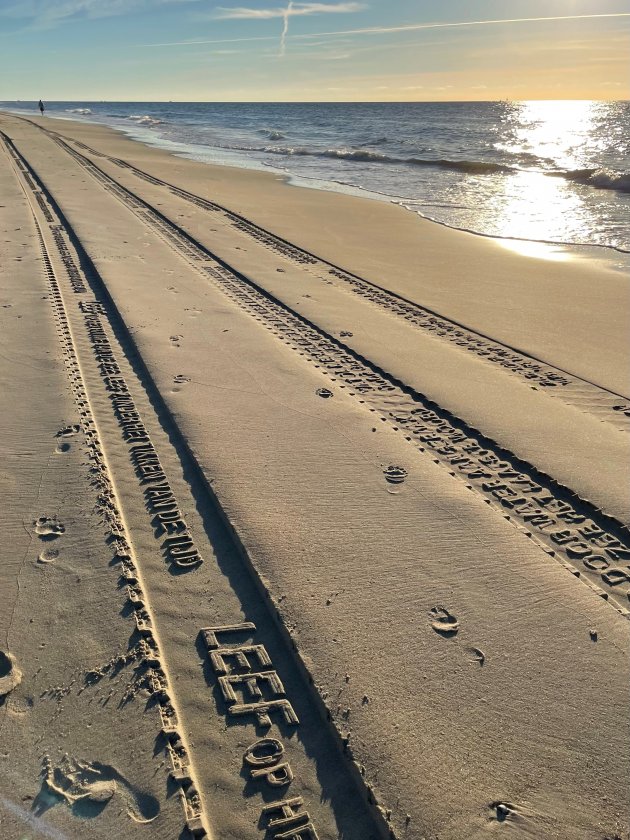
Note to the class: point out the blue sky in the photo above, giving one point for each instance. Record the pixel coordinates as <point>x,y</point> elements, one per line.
<point>334,50</point>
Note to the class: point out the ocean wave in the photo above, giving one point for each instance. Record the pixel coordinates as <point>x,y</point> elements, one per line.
<point>272,133</point>
<point>78,111</point>
<point>475,167</point>
<point>601,179</point>
<point>144,119</point>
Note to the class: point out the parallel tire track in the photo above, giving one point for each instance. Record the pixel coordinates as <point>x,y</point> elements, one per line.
<point>587,396</point>
<point>147,652</point>
<point>591,545</point>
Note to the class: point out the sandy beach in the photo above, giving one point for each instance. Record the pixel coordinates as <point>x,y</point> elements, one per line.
<point>315,512</point>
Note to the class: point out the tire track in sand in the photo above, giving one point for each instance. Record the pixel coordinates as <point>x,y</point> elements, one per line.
<point>149,502</point>
<point>587,396</point>
<point>109,503</point>
<point>591,545</point>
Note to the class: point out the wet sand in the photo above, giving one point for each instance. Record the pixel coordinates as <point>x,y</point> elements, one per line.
<point>388,459</point>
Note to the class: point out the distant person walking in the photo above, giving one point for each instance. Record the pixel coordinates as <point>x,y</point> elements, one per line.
<point>41,107</point>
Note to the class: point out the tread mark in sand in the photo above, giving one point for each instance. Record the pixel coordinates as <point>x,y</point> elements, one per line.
<point>49,528</point>
<point>582,394</point>
<point>590,544</point>
<point>149,653</point>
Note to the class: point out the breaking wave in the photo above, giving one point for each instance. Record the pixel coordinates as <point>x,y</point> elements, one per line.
<point>601,179</point>
<point>366,156</point>
<point>144,119</point>
<point>272,134</point>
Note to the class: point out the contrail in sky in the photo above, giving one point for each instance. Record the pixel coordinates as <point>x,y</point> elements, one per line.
<point>376,30</point>
<point>285,28</point>
<point>381,30</point>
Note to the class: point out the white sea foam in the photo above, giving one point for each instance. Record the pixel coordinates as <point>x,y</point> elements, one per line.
<point>144,119</point>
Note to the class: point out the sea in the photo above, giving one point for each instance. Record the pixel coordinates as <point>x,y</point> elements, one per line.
<point>536,173</point>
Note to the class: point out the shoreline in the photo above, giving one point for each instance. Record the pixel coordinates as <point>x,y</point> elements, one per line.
<point>609,256</point>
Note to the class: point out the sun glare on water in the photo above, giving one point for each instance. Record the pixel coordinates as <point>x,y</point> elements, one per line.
<point>556,132</point>
<point>548,139</point>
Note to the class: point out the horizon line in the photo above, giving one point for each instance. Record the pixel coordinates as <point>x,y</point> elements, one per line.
<point>507,100</point>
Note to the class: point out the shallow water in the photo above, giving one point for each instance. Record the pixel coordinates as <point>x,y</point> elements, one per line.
<point>543,171</point>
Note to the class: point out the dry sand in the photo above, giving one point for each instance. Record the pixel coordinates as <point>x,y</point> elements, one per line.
<point>390,456</point>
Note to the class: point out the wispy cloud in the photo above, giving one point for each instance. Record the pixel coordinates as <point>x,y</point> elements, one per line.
<point>384,30</point>
<point>414,27</point>
<point>44,14</point>
<point>285,12</point>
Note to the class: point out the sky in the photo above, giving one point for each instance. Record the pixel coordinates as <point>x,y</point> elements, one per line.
<point>334,50</point>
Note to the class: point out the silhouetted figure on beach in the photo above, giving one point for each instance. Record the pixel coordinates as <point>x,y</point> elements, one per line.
<point>41,107</point>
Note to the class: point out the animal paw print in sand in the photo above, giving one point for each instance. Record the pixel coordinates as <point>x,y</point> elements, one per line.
<point>48,528</point>
<point>180,379</point>
<point>394,474</point>
<point>346,334</point>
<point>175,339</point>
<point>325,393</point>
<point>443,622</point>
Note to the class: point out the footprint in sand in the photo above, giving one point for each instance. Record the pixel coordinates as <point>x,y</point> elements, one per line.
<point>443,622</point>
<point>48,555</point>
<point>175,339</point>
<point>180,379</point>
<point>48,528</point>
<point>346,334</point>
<point>477,655</point>
<point>10,674</point>
<point>324,392</point>
<point>87,787</point>
<point>62,447</point>
<point>394,474</point>
<point>503,810</point>
<point>68,431</point>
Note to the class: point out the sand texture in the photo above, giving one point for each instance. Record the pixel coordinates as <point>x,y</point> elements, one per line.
<point>315,513</point>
